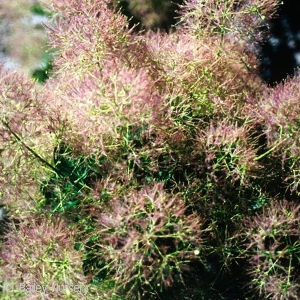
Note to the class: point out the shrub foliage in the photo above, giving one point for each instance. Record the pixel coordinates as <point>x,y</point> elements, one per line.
<point>152,165</point>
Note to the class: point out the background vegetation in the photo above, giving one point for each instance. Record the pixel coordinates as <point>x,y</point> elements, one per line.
<point>151,164</point>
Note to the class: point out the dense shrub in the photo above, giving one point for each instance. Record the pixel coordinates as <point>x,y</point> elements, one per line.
<point>273,241</point>
<point>154,165</point>
<point>153,237</point>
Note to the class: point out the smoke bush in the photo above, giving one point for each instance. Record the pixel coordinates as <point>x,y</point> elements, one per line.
<point>147,239</point>
<point>163,153</point>
<point>273,243</point>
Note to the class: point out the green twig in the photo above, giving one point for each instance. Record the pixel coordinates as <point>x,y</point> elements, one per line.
<point>38,157</point>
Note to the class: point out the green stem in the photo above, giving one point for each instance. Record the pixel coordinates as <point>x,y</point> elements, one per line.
<point>19,139</point>
<point>37,156</point>
<point>269,151</point>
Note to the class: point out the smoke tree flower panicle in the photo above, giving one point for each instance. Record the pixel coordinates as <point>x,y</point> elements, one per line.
<point>221,17</point>
<point>148,239</point>
<point>40,253</point>
<point>273,238</point>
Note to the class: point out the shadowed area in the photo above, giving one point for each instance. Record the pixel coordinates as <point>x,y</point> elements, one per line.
<point>280,54</point>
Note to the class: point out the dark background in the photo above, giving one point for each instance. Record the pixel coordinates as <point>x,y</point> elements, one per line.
<point>280,54</point>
